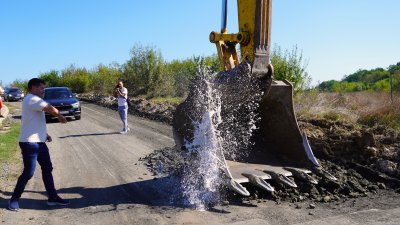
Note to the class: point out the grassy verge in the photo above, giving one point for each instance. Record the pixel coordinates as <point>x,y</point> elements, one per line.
<point>11,107</point>
<point>9,143</point>
<point>388,116</point>
<point>163,100</point>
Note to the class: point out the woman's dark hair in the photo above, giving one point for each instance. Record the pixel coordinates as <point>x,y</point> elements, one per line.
<point>35,82</point>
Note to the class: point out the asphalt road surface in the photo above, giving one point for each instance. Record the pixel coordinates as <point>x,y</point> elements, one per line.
<point>100,172</point>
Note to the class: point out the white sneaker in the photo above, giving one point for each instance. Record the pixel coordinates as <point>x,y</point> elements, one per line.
<point>129,129</point>
<point>123,132</point>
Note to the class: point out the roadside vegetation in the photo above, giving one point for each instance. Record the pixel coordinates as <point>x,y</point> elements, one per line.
<point>368,97</point>
<point>148,75</point>
<point>362,108</point>
<point>378,79</point>
<point>9,143</point>
<point>387,115</point>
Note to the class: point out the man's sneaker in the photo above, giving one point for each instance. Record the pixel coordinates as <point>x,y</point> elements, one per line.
<point>13,205</point>
<point>57,201</point>
<point>123,132</point>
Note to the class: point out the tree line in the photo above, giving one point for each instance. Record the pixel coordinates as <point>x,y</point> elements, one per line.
<point>146,73</point>
<point>378,79</point>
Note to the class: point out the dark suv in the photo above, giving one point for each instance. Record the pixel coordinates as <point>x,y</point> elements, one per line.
<point>63,99</point>
<point>13,94</point>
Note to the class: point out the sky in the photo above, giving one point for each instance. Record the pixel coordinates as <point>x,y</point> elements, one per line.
<point>336,38</point>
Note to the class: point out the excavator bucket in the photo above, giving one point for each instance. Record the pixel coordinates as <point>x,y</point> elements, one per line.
<point>259,136</point>
<point>250,115</point>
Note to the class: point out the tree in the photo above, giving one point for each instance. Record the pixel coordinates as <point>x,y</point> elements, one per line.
<point>392,69</point>
<point>328,85</point>
<point>382,85</point>
<point>367,76</point>
<point>183,72</point>
<point>103,78</point>
<point>143,69</point>
<point>50,78</point>
<point>21,84</point>
<point>75,78</point>
<point>290,65</point>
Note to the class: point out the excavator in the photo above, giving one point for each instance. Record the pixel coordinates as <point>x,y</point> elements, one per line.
<point>278,149</point>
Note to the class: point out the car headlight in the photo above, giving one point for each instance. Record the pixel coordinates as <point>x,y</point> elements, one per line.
<point>22,95</point>
<point>9,95</point>
<point>75,105</point>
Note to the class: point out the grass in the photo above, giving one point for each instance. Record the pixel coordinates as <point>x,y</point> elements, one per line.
<point>387,116</point>
<point>162,100</point>
<point>365,108</point>
<point>9,143</point>
<point>11,107</point>
<point>333,116</point>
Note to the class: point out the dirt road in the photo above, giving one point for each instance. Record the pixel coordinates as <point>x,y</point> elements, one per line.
<point>99,171</point>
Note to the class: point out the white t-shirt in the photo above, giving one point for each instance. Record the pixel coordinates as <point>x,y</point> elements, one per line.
<point>33,127</point>
<point>122,100</point>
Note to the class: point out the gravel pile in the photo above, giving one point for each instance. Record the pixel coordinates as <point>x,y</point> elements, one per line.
<point>364,160</point>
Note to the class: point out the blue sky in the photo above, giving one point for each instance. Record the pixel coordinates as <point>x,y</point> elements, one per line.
<point>336,37</point>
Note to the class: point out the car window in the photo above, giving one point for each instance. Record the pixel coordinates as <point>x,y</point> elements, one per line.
<point>13,90</point>
<point>57,94</point>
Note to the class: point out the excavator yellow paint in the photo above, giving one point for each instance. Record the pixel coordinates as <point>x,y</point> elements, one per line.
<point>246,16</point>
<point>254,35</point>
<point>281,148</point>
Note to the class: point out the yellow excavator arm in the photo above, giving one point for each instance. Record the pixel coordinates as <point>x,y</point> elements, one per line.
<point>254,36</point>
<point>246,87</point>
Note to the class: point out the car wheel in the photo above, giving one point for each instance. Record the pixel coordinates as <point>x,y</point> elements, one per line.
<point>78,117</point>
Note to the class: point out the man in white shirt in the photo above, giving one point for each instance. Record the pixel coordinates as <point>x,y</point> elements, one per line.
<point>122,95</point>
<point>32,140</point>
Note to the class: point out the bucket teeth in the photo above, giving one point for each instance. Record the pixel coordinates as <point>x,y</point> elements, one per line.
<point>259,182</point>
<point>323,173</point>
<point>237,187</point>
<point>301,175</point>
<point>282,179</point>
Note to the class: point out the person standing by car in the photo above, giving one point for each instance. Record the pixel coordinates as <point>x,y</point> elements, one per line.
<point>32,140</point>
<point>121,93</point>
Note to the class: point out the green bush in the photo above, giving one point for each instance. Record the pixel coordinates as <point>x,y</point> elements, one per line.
<point>103,79</point>
<point>333,116</point>
<point>146,73</point>
<point>377,79</point>
<point>51,78</point>
<point>143,70</point>
<point>77,79</point>
<point>290,65</point>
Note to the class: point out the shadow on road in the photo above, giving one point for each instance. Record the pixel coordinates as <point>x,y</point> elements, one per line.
<point>83,135</point>
<point>156,192</point>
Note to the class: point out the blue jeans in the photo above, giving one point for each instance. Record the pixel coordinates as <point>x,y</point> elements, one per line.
<point>32,152</point>
<point>123,113</point>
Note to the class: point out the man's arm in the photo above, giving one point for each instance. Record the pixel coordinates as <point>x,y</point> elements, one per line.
<point>53,111</point>
<point>121,93</point>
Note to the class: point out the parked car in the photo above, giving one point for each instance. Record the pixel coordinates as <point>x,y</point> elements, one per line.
<point>63,99</point>
<point>13,94</point>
